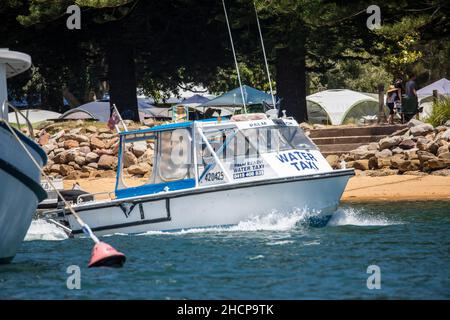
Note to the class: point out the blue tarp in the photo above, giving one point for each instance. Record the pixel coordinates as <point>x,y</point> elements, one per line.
<point>234,98</point>
<point>196,98</point>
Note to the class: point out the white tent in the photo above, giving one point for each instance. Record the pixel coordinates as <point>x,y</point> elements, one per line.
<point>442,86</point>
<point>425,96</point>
<point>340,106</point>
<point>33,115</point>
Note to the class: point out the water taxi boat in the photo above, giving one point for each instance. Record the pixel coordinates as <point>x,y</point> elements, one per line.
<point>215,173</point>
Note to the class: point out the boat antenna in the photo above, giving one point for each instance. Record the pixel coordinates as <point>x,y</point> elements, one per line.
<point>102,253</point>
<point>265,57</point>
<point>234,55</point>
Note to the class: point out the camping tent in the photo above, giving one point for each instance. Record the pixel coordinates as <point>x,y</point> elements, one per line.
<point>340,106</point>
<point>33,115</point>
<point>100,110</point>
<point>442,86</point>
<point>232,100</point>
<point>425,96</point>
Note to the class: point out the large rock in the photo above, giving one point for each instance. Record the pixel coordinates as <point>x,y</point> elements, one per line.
<point>58,135</point>
<point>432,147</point>
<point>441,150</point>
<point>421,129</point>
<point>96,143</point>
<point>56,168</point>
<point>445,155</point>
<point>129,159</point>
<point>414,123</point>
<point>85,150</point>
<point>44,138</point>
<point>107,162</point>
<point>92,157</point>
<point>373,146</point>
<point>104,130</point>
<point>411,154</point>
<point>147,156</point>
<point>384,162</point>
<point>446,135</point>
<point>442,172</point>
<point>422,143</point>
<point>389,142</point>
<point>373,163</point>
<point>66,169</point>
<point>139,148</point>
<point>333,160</point>
<point>71,144</point>
<point>93,165</point>
<point>424,156</point>
<point>408,165</point>
<point>91,129</point>
<point>407,144</point>
<point>397,161</point>
<point>77,137</point>
<point>49,148</point>
<point>385,153</point>
<point>110,142</point>
<point>435,164</point>
<point>139,169</point>
<point>361,164</point>
<point>80,160</point>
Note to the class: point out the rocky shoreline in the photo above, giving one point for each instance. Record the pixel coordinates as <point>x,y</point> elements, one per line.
<point>90,151</point>
<point>418,149</point>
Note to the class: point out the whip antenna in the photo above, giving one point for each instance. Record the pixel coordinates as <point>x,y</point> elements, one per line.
<point>265,58</point>
<point>234,55</point>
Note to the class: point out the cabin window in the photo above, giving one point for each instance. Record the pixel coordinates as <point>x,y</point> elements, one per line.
<point>173,158</point>
<point>297,138</point>
<point>137,161</point>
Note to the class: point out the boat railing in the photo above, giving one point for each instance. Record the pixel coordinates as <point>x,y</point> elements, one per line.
<point>81,198</point>
<point>4,114</point>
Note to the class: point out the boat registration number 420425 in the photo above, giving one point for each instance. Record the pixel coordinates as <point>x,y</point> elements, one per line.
<point>214,176</point>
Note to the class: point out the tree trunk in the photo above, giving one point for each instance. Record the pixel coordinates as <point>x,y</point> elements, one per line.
<point>122,80</point>
<point>291,83</point>
<point>52,98</point>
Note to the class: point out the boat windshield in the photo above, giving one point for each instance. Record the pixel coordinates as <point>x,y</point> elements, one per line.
<point>232,142</point>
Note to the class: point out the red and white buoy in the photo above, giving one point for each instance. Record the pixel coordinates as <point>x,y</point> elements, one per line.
<point>105,255</point>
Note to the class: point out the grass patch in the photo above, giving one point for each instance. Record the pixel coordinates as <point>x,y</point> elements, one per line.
<point>441,112</point>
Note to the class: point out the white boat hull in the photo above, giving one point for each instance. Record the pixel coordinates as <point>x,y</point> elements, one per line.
<point>20,191</point>
<point>213,206</point>
<point>17,207</point>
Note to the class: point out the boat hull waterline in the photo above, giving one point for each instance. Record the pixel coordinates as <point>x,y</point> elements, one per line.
<point>318,195</point>
<point>20,192</point>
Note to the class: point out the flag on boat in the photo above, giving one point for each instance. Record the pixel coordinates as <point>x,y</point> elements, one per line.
<point>113,120</point>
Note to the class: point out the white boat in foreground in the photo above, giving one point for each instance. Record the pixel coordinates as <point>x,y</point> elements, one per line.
<point>20,190</point>
<point>214,173</point>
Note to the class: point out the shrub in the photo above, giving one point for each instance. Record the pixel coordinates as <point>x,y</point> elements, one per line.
<point>441,111</point>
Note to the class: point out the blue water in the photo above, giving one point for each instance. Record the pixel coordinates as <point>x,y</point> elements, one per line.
<point>273,256</point>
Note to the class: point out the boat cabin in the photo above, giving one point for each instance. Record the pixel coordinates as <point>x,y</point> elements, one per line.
<point>201,154</point>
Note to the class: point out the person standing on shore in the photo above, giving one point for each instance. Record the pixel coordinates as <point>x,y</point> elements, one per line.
<point>410,87</point>
<point>393,96</point>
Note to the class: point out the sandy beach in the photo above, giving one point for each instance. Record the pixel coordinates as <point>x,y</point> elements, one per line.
<point>359,188</point>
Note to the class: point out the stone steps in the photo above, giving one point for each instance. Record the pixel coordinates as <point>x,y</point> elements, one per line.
<point>355,131</point>
<point>342,140</point>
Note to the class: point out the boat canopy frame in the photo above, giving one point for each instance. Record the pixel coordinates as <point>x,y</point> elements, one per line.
<point>198,138</point>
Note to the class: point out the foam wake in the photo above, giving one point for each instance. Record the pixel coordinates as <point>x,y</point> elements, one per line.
<point>351,216</point>
<point>42,230</point>
<point>274,221</point>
